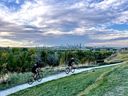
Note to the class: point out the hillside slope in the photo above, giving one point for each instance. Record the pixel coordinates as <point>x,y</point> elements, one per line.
<point>102,82</point>
<point>111,81</point>
<point>117,57</point>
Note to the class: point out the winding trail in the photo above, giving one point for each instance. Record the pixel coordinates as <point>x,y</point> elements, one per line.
<point>49,78</point>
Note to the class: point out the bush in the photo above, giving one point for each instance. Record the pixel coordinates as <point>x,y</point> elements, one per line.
<point>22,59</point>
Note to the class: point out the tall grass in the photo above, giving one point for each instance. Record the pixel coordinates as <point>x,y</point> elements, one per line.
<point>20,78</point>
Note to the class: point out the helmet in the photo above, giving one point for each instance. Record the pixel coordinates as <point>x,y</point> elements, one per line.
<point>35,64</point>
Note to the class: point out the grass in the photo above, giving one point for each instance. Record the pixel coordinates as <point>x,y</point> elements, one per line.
<point>98,83</point>
<point>111,81</point>
<point>14,79</point>
<point>20,78</point>
<point>119,57</point>
<point>103,82</point>
<point>109,85</point>
<point>68,86</point>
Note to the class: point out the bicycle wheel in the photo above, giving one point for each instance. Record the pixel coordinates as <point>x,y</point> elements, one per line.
<point>30,80</point>
<point>38,77</point>
<point>73,69</point>
<point>67,70</point>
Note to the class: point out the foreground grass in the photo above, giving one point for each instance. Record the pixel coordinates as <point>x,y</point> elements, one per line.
<point>68,86</point>
<point>111,83</point>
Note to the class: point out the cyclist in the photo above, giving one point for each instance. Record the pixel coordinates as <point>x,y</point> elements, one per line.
<point>35,69</point>
<point>71,62</point>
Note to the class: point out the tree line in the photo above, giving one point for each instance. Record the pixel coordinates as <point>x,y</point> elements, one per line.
<point>22,59</point>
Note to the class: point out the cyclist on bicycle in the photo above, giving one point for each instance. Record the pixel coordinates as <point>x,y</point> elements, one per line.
<point>71,61</point>
<point>35,69</point>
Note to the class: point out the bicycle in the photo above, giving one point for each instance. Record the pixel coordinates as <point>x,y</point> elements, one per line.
<point>70,69</point>
<point>38,77</point>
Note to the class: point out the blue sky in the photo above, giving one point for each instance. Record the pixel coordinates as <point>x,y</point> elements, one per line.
<point>26,23</point>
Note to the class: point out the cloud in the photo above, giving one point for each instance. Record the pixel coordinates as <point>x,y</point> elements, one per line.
<point>123,18</point>
<point>109,34</point>
<point>118,43</point>
<point>41,20</point>
<point>6,33</point>
<point>13,43</point>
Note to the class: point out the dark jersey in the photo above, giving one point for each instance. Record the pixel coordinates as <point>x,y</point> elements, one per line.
<point>34,68</point>
<point>71,62</point>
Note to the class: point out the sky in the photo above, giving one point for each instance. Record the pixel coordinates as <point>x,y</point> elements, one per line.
<point>29,23</point>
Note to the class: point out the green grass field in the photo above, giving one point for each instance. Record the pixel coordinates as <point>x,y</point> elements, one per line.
<point>110,83</point>
<point>102,82</point>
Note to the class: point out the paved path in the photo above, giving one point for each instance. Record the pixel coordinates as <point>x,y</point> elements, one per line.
<point>46,79</point>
